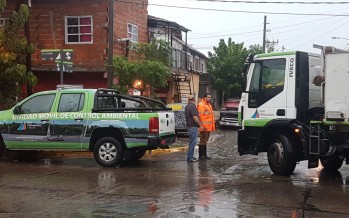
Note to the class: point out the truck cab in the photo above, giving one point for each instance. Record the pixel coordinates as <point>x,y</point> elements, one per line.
<point>279,97</point>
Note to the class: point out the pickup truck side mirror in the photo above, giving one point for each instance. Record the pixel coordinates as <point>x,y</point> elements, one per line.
<point>17,110</point>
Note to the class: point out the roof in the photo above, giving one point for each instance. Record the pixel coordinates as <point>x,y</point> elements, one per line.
<point>275,54</point>
<point>160,22</point>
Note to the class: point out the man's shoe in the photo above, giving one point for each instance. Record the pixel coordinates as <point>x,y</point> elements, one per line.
<point>192,160</point>
<point>208,158</point>
<point>202,158</point>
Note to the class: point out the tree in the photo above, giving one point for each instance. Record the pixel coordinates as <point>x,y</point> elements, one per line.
<point>148,62</point>
<point>13,51</point>
<point>224,66</point>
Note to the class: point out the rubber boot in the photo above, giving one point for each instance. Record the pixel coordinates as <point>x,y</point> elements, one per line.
<point>201,152</point>
<point>205,152</point>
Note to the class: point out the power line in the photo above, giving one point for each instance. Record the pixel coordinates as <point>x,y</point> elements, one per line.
<point>251,12</point>
<point>215,36</point>
<point>319,36</point>
<point>275,2</point>
<point>256,31</point>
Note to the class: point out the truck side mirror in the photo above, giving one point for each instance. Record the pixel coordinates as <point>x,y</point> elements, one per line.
<point>17,110</point>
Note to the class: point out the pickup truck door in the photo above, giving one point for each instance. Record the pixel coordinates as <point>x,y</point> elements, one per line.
<point>30,126</point>
<point>70,122</point>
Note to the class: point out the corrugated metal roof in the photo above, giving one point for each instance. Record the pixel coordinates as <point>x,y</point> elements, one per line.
<point>159,22</point>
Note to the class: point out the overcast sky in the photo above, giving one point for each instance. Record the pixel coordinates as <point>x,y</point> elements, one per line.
<point>292,32</point>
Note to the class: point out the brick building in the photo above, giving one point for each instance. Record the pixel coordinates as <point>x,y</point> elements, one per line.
<point>80,25</point>
<point>188,64</point>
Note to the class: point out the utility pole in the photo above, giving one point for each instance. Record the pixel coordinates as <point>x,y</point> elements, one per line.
<point>110,44</point>
<point>28,58</point>
<point>264,32</point>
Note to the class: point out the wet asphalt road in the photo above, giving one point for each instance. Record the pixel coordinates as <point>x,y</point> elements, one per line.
<point>163,184</point>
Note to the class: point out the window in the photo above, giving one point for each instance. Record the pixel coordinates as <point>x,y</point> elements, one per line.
<point>78,30</point>
<point>197,64</point>
<point>3,21</point>
<point>38,104</point>
<point>177,58</point>
<point>267,81</point>
<point>190,62</point>
<point>132,32</point>
<point>107,102</point>
<point>71,102</point>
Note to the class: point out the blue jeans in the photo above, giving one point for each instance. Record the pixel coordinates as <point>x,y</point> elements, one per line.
<point>193,135</point>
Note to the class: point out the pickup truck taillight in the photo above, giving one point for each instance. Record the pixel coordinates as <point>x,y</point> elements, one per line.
<point>154,125</point>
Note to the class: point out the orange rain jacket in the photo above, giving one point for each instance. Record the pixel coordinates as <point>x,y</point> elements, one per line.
<point>206,116</point>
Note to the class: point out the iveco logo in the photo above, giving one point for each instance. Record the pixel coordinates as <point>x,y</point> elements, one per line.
<point>290,74</point>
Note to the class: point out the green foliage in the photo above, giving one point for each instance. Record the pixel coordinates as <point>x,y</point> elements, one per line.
<point>158,50</point>
<point>148,63</point>
<point>2,4</point>
<point>224,66</point>
<point>13,51</point>
<point>256,49</point>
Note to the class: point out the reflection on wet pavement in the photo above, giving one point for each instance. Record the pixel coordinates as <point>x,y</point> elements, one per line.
<point>163,184</point>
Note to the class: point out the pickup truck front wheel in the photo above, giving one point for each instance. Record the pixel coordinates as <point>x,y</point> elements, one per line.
<point>108,152</point>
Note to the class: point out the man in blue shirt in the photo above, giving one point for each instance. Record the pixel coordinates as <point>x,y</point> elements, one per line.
<point>193,123</point>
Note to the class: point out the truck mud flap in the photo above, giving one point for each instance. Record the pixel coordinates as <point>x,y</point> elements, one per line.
<point>313,161</point>
<point>244,143</point>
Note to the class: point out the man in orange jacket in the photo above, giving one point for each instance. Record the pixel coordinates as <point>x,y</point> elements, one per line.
<point>206,116</point>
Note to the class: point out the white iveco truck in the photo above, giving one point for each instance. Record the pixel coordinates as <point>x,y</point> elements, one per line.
<point>295,107</point>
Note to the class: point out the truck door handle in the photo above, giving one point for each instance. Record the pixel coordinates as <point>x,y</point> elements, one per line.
<point>78,119</point>
<point>280,112</point>
<point>44,121</point>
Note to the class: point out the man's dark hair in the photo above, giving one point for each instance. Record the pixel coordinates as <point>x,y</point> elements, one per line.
<point>205,95</point>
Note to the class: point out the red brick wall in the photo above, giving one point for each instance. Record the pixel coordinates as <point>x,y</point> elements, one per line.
<point>135,13</point>
<point>47,31</point>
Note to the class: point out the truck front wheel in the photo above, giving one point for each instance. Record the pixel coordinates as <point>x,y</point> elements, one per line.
<point>108,152</point>
<point>333,162</point>
<point>281,156</point>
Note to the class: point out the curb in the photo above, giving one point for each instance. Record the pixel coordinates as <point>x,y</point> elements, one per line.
<point>175,148</point>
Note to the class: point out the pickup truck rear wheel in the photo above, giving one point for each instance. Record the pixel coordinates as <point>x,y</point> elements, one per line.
<point>108,152</point>
<point>333,162</point>
<point>281,156</point>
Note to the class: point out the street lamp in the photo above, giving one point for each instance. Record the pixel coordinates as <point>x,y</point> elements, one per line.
<point>335,37</point>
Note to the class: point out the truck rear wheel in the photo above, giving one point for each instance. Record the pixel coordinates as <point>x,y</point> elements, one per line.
<point>281,156</point>
<point>333,162</point>
<point>108,152</point>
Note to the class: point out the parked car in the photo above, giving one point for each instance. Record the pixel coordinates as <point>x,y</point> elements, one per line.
<point>229,113</point>
<point>113,126</point>
<point>181,124</point>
